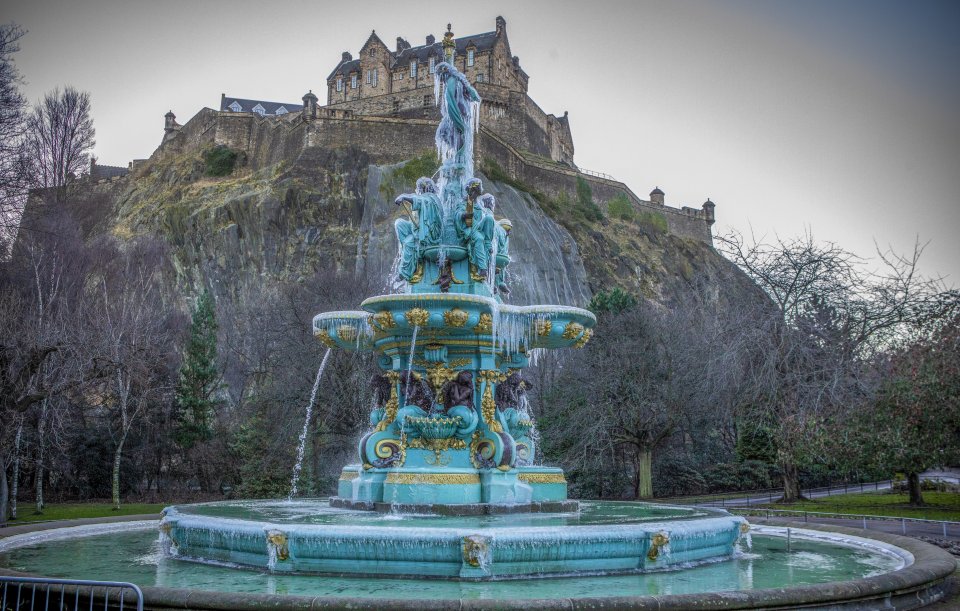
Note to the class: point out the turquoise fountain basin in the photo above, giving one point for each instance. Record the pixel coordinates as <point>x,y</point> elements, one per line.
<point>319,539</point>
<point>133,552</point>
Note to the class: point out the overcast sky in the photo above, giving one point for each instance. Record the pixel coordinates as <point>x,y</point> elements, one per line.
<point>840,117</point>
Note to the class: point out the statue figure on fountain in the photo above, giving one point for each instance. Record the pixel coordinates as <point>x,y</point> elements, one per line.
<point>417,399</point>
<point>511,397</point>
<point>454,136</point>
<point>475,227</point>
<point>458,402</point>
<point>422,230</point>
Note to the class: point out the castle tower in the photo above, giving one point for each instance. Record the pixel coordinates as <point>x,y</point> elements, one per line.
<point>709,214</point>
<point>169,122</point>
<point>309,105</point>
<point>656,196</point>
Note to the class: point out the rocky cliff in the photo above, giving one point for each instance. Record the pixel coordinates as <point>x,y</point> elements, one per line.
<point>333,208</point>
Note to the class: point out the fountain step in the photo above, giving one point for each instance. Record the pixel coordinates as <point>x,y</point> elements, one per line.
<point>465,509</point>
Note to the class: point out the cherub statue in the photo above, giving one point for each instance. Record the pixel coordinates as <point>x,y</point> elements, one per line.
<point>458,401</point>
<point>423,228</point>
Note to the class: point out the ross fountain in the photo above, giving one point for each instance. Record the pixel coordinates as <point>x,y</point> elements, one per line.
<point>451,433</point>
<point>447,487</point>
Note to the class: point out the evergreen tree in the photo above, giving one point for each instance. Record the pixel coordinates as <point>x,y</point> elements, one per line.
<point>199,378</point>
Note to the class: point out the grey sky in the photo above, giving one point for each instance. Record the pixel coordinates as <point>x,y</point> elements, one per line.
<point>840,117</point>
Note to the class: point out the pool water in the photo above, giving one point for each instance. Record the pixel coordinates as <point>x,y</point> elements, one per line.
<point>132,553</point>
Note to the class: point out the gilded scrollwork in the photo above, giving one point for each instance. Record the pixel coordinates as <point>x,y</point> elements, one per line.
<point>384,319</point>
<point>488,404</point>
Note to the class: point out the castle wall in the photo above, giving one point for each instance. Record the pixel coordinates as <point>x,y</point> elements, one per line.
<point>387,140</point>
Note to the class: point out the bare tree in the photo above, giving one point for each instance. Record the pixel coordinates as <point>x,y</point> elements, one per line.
<point>135,338</point>
<point>809,352</point>
<point>13,183</point>
<point>59,137</point>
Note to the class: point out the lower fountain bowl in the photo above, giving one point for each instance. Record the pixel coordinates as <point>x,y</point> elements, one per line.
<point>603,538</point>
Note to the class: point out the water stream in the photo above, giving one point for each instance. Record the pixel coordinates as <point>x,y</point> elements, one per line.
<point>301,447</point>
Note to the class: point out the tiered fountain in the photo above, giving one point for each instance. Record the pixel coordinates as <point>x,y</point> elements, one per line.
<point>450,431</point>
<point>447,485</point>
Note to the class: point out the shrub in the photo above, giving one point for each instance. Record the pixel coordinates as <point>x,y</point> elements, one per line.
<point>615,301</point>
<point>652,221</point>
<point>620,207</point>
<point>423,165</point>
<point>219,161</point>
<point>585,205</point>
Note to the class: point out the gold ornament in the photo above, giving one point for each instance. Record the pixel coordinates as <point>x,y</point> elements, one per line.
<point>485,325</point>
<point>587,334</point>
<point>387,448</point>
<point>542,478</point>
<point>544,326</point>
<point>347,333</point>
<point>475,274</point>
<point>393,403</point>
<point>744,528</point>
<point>658,542</point>
<point>488,404</point>
<point>278,540</point>
<point>481,446</point>
<point>476,550</point>
<point>384,319</point>
<point>455,317</point>
<point>347,476</point>
<point>417,317</point>
<point>417,274</point>
<point>572,330</point>
<point>439,373</point>
<point>432,478</point>
<point>324,336</point>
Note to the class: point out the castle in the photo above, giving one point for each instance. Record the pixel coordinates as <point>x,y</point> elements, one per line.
<point>382,102</point>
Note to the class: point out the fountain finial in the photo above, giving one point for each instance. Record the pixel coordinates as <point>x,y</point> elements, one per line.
<point>449,45</point>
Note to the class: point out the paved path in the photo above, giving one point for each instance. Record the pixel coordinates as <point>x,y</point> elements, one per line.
<point>892,526</point>
<point>25,527</point>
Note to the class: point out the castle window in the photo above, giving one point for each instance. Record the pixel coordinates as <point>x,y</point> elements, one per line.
<point>339,83</point>
<point>433,65</point>
<point>280,111</point>
<point>413,69</point>
<point>372,52</point>
<point>469,57</point>
<point>396,106</point>
<point>480,77</point>
<point>260,110</point>
<point>235,106</point>
<point>398,76</point>
<point>374,77</point>
<point>427,101</point>
<point>353,81</point>
<point>369,75</point>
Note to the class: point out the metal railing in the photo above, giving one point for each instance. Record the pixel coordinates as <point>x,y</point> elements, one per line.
<point>30,593</point>
<point>771,495</point>
<point>597,174</point>
<point>946,528</point>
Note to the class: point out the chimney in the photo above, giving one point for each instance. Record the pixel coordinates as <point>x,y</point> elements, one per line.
<point>309,105</point>
<point>345,57</point>
<point>402,45</point>
<point>708,212</point>
<point>656,196</point>
<point>430,39</point>
<point>501,25</point>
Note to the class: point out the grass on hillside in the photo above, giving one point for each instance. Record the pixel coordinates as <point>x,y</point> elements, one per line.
<point>939,505</point>
<point>72,511</point>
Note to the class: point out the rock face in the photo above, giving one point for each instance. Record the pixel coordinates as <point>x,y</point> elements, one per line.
<point>333,208</point>
<point>546,268</point>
